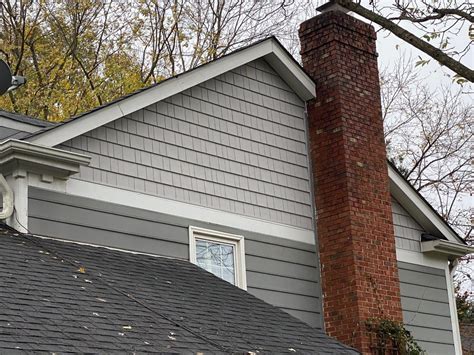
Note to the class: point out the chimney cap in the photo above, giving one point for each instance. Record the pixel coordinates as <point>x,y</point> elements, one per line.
<point>332,5</point>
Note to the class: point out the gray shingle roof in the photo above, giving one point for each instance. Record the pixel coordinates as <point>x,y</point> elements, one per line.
<point>26,119</point>
<point>65,297</point>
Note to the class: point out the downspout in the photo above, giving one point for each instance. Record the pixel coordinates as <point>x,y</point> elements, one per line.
<point>7,195</point>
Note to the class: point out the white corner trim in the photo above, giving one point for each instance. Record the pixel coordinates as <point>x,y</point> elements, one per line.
<point>453,313</point>
<point>418,208</point>
<point>176,208</point>
<point>20,126</point>
<point>449,249</point>
<point>269,48</point>
<point>238,241</point>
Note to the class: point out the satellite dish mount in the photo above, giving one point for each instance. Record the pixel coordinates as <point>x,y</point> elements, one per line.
<point>9,82</point>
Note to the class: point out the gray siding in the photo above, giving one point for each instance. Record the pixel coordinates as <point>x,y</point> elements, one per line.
<point>279,271</point>
<point>407,230</point>
<point>235,143</point>
<point>426,307</point>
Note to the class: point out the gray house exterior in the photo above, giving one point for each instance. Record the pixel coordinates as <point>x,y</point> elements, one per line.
<point>221,150</point>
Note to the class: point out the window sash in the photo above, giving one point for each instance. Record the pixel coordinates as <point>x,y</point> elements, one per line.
<point>225,239</point>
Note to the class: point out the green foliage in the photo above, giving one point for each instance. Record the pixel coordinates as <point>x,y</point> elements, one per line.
<point>421,62</point>
<point>77,55</point>
<point>465,306</point>
<point>391,335</point>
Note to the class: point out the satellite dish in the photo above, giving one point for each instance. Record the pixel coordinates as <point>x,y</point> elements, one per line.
<point>5,77</point>
<point>7,81</point>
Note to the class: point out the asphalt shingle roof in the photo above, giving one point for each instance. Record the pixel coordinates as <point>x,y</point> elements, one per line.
<point>26,119</point>
<point>65,297</point>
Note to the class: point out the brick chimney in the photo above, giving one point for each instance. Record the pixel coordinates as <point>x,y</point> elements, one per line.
<point>353,205</point>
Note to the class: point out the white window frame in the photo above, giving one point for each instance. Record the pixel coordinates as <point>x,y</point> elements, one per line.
<point>238,241</point>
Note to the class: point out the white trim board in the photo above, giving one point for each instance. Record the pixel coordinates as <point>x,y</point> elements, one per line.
<point>454,313</point>
<point>413,257</point>
<point>176,208</point>
<point>269,49</point>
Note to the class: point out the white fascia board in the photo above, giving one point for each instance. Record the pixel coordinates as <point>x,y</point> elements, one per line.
<point>280,60</point>
<point>20,126</point>
<point>269,49</point>
<point>418,208</point>
<point>444,247</point>
<point>40,158</point>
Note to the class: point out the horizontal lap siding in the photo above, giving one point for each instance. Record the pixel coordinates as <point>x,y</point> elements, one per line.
<point>425,307</point>
<point>279,271</point>
<point>407,230</point>
<point>235,143</point>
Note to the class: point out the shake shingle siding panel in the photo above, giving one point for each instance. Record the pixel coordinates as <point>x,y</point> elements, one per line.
<point>407,230</point>
<point>235,143</point>
<point>425,307</point>
<point>279,271</point>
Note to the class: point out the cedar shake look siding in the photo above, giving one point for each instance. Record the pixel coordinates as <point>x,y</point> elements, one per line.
<point>353,203</point>
<point>235,143</point>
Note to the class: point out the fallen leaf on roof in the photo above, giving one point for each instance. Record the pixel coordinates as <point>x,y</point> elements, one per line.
<point>82,270</point>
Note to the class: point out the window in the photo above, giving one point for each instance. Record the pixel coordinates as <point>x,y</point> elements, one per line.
<point>220,253</point>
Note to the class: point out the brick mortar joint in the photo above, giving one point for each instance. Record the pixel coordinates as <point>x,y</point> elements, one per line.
<point>372,54</point>
<point>316,24</point>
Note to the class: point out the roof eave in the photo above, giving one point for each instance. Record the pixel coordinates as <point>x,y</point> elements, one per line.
<point>443,247</point>
<point>15,154</point>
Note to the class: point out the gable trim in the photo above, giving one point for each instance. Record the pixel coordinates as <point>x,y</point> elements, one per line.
<point>419,209</point>
<point>269,49</point>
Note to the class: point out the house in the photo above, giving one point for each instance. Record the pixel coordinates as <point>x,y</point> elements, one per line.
<point>271,176</point>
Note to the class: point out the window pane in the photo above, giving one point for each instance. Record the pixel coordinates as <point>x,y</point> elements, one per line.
<point>217,258</point>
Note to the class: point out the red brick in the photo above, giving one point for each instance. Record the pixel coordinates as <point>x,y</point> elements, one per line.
<point>352,197</point>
